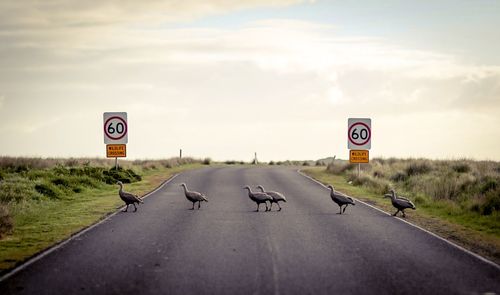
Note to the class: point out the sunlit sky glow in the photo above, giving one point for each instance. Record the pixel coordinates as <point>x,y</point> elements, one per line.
<point>224,79</point>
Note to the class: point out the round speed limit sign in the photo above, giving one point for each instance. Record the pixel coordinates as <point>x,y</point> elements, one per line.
<point>359,133</point>
<point>115,128</point>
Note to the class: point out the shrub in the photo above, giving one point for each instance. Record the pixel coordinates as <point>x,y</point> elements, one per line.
<point>230,162</point>
<point>488,184</point>
<point>6,222</point>
<point>60,181</point>
<point>461,167</point>
<point>491,203</point>
<point>399,176</point>
<point>271,163</point>
<point>49,190</point>
<point>339,168</point>
<point>17,189</point>
<point>124,175</point>
<point>379,186</point>
<point>207,161</point>
<point>418,167</point>
<point>305,163</point>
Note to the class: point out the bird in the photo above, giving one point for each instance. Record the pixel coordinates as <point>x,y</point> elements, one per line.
<point>277,197</point>
<point>193,196</point>
<point>399,203</point>
<point>128,198</point>
<point>340,199</point>
<point>258,197</point>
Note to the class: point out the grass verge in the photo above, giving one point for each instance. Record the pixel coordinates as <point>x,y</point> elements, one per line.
<point>479,234</point>
<point>40,224</point>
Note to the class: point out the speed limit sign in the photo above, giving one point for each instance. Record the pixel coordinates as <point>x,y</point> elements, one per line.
<point>359,133</point>
<point>115,128</point>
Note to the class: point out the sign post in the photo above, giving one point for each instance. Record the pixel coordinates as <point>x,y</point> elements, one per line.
<point>359,135</point>
<point>115,135</point>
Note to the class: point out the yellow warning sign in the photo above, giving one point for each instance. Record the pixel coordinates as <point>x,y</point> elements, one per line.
<point>116,150</point>
<point>359,156</point>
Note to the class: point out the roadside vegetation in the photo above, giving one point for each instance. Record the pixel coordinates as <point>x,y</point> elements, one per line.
<point>44,201</point>
<point>458,199</point>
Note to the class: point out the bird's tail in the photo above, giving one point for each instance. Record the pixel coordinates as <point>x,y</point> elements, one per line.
<point>139,199</point>
<point>205,198</point>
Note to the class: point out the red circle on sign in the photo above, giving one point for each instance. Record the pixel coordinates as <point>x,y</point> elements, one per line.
<point>124,131</point>
<point>367,128</point>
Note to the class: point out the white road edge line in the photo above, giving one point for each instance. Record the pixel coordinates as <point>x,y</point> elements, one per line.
<point>485,260</point>
<point>76,235</point>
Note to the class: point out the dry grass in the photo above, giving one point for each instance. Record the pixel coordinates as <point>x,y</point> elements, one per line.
<point>470,185</point>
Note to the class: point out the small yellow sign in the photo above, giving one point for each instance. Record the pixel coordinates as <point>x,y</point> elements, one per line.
<point>359,156</point>
<point>116,150</point>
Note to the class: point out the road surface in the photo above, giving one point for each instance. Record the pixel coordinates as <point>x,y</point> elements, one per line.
<point>227,248</point>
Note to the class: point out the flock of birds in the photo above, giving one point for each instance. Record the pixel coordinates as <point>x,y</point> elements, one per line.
<point>263,197</point>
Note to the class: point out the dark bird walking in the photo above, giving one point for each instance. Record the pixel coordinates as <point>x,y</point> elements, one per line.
<point>128,198</point>
<point>340,199</point>
<point>193,196</point>
<point>258,198</point>
<point>399,203</point>
<point>276,196</point>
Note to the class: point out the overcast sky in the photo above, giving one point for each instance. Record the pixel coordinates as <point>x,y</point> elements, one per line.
<point>224,79</point>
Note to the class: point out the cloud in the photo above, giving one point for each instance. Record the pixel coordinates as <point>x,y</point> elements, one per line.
<point>50,14</point>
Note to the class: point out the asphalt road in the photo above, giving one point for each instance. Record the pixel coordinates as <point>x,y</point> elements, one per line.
<point>226,248</point>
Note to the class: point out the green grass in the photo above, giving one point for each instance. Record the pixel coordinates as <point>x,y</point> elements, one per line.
<point>452,220</point>
<point>41,219</point>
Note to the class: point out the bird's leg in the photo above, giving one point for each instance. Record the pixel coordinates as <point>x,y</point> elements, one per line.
<point>258,204</point>
<point>271,207</point>
<point>404,215</point>
<point>340,212</point>
<point>193,207</point>
<point>126,208</point>
<point>135,208</point>
<point>278,206</point>
<point>199,205</point>
<point>395,213</point>
<point>343,211</point>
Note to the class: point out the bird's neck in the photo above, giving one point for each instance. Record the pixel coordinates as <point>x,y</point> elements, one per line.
<point>185,189</point>
<point>261,189</point>
<point>249,190</point>
<point>121,188</point>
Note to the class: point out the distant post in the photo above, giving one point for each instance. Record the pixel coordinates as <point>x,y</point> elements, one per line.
<point>180,154</point>
<point>255,159</point>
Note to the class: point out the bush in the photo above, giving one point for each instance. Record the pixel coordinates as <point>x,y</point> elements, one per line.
<point>207,161</point>
<point>461,167</point>
<point>491,203</point>
<point>17,189</point>
<point>417,168</point>
<point>379,186</point>
<point>60,181</point>
<point>124,175</point>
<point>271,163</point>
<point>6,222</point>
<point>49,190</point>
<point>339,168</point>
<point>399,177</point>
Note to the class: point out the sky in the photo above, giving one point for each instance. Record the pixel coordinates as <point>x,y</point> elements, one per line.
<point>224,79</point>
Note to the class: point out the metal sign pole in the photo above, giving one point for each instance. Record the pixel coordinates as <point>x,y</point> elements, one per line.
<point>116,163</point>
<point>359,169</point>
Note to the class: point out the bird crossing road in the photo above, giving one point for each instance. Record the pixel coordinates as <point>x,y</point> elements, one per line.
<point>227,248</point>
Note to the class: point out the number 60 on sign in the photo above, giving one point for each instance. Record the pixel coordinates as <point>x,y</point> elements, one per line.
<point>359,133</point>
<point>115,128</point>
